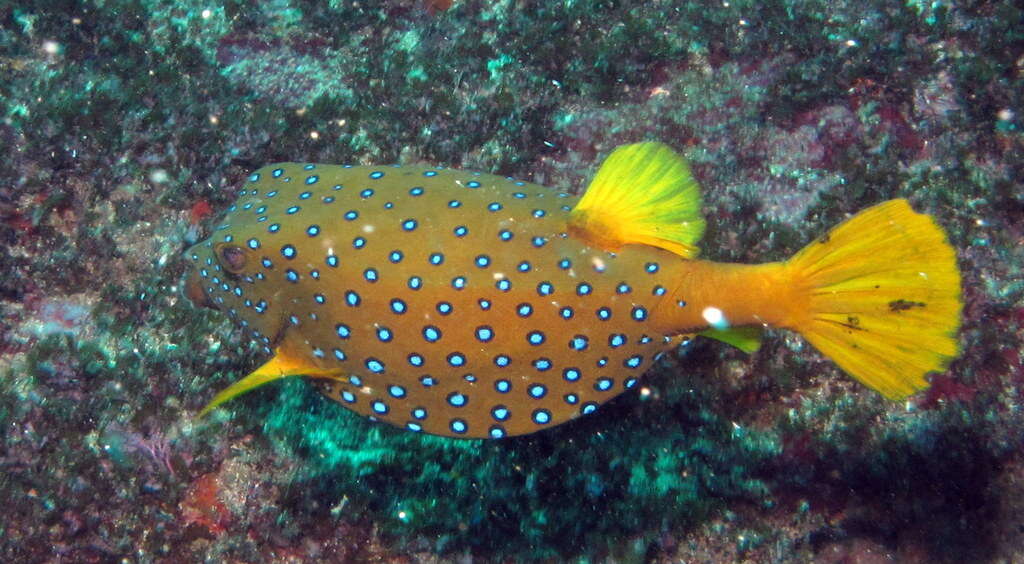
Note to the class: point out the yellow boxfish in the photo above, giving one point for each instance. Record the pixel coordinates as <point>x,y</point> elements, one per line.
<point>471,305</point>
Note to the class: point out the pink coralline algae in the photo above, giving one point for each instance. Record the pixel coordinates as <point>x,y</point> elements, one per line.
<point>60,314</point>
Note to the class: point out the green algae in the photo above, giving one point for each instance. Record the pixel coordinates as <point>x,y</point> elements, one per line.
<point>577,489</point>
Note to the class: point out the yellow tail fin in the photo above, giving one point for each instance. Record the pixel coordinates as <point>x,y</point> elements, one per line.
<point>884,297</point>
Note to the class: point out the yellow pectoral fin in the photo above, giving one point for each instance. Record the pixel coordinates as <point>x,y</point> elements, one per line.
<point>281,366</point>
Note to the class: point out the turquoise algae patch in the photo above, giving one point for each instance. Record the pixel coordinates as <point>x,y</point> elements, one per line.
<point>587,487</point>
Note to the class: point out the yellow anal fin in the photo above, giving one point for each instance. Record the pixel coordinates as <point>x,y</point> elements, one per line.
<point>642,194</point>
<point>746,339</point>
<point>281,366</point>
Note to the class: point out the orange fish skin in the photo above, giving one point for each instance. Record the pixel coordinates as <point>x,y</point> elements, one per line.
<point>492,321</point>
<point>744,295</point>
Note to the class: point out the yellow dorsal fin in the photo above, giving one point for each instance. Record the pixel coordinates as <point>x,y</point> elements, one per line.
<point>282,365</point>
<point>643,194</point>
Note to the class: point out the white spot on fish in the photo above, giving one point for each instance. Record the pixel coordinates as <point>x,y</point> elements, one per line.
<point>715,317</point>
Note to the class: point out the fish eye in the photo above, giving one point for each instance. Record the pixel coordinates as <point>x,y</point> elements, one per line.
<point>231,257</point>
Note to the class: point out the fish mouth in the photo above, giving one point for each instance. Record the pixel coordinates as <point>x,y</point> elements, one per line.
<point>194,291</point>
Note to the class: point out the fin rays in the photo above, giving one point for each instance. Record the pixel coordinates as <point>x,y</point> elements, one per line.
<point>642,194</point>
<point>281,366</point>
<point>883,297</point>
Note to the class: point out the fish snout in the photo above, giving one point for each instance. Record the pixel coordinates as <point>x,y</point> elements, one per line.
<point>194,291</point>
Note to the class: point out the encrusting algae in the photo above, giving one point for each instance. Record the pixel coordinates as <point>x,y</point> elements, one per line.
<point>470,305</point>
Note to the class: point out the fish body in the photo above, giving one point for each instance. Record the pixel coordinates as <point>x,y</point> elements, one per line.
<point>450,302</point>
<point>467,304</point>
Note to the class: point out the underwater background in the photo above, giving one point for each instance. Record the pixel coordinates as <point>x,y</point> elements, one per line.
<point>127,127</point>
